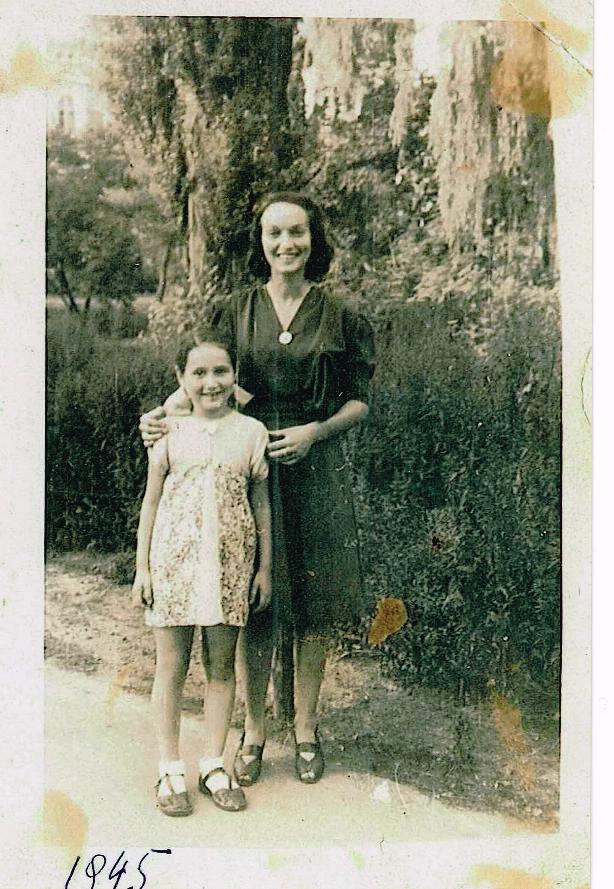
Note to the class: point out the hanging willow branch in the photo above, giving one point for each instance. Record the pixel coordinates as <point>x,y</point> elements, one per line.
<point>345,60</point>
<point>489,133</point>
<point>403,70</point>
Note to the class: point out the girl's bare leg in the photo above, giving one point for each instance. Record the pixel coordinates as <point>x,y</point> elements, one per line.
<point>310,666</point>
<point>255,656</point>
<point>173,647</point>
<point>219,644</point>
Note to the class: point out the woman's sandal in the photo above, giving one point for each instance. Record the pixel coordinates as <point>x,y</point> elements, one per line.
<point>309,760</point>
<point>247,773</point>
<point>230,799</point>
<point>174,804</point>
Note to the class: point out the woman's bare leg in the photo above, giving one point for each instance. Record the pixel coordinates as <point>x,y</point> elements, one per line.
<point>255,656</point>
<point>310,666</point>
<point>173,647</point>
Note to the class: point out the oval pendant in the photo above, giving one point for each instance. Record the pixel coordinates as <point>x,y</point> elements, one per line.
<point>285,337</point>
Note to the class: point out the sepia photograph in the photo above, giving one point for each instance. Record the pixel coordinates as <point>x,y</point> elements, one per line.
<point>309,535</point>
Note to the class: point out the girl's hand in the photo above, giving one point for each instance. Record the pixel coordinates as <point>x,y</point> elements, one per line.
<point>293,443</point>
<point>152,426</point>
<point>261,590</point>
<point>142,594</point>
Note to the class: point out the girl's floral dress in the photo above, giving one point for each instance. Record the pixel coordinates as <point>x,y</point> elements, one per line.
<point>204,538</point>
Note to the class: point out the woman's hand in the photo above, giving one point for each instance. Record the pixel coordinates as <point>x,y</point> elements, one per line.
<point>142,593</point>
<point>293,443</point>
<point>152,426</point>
<point>261,590</point>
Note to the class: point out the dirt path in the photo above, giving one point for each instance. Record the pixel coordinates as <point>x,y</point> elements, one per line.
<point>398,772</point>
<point>368,832</point>
<point>100,752</point>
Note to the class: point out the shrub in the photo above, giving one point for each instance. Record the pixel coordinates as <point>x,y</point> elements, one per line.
<point>96,389</point>
<point>458,491</point>
<point>457,478</point>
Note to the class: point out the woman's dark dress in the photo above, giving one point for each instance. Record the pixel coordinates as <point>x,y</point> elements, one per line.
<point>330,360</point>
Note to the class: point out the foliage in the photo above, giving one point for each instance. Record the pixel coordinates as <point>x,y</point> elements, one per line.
<point>362,130</point>
<point>457,484</point>
<point>183,312</point>
<point>441,198</point>
<point>489,134</point>
<point>96,388</point>
<point>460,465</point>
<point>91,249</point>
<point>206,97</point>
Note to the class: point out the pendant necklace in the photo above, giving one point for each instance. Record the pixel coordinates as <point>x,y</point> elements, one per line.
<point>286,337</point>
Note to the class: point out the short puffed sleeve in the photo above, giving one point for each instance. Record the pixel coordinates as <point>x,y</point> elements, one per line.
<point>360,354</point>
<point>158,454</point>
<point>259,466</point>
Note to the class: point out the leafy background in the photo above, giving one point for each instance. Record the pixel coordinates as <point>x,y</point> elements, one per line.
<point>440,195</point>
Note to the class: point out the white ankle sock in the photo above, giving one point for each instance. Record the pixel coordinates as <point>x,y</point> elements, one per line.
<point>206,764</point>
<point>218,781</point>
<point>174,772</point>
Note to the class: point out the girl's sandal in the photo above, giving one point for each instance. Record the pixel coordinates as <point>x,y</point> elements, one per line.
<point>247,773</point>
<point>174,804</point>
<point>309,760</point>
<point>230,799</point>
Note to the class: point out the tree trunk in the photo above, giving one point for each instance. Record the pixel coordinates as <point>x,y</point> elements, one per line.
<point>281,60</point>
<point>66,291</point>
<point>206,148</point>
<point>162,281</point>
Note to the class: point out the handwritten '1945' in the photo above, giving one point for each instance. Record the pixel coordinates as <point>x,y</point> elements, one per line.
<point>98,862</point>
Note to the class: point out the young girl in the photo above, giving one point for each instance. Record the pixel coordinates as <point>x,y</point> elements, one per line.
<point>197,543</point>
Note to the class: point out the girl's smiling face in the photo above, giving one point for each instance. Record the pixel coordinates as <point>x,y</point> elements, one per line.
<point>208,379</point>
<point>286,237</point>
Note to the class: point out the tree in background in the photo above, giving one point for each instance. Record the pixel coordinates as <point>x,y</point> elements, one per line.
<point>365,113</point>
<point>442,202</point>
<point>206,98</point>
<point>92,249</point>
<point>489,133</point>
<point>424,183</point>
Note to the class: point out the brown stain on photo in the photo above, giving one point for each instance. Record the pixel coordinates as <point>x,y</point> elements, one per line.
<point>506,878</point>
<point>541,72</point>
<point>390,616</point>
<point>508,724</point>
<point>27,70</point>
<point>64,823</point>
<point>548,824</point>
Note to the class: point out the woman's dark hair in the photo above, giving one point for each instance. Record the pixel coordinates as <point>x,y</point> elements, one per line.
<point>197,338</point>
<point>319,261</point>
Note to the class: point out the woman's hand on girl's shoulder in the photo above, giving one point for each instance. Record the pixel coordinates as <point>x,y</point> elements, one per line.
<point>142,593</point>
<point>261,591</point>
<point>152,426</point>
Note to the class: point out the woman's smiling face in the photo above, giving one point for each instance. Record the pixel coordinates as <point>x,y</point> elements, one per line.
<point>286,238</point>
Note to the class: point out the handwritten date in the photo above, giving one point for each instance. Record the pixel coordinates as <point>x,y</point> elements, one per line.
<point>97,864</point>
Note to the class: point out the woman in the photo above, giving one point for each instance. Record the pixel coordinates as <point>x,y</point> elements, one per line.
<point>305,360</point>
